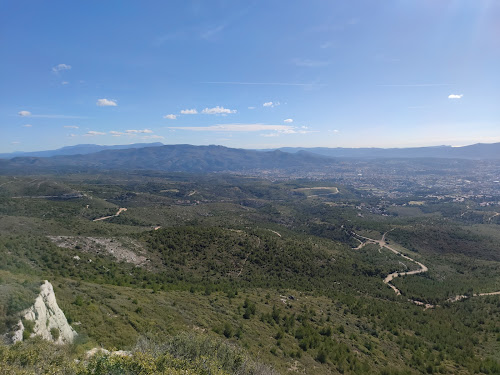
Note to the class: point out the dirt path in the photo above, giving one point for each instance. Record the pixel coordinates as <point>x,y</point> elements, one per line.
<point>392,276</point>
<point>462,296</point>
<point>108,217</point>
<point>487,294</point>
<point>423,268</point>
<point>361,244</point>
<point>366,242</point>
<point>276,233</point>
<point>496,214</point>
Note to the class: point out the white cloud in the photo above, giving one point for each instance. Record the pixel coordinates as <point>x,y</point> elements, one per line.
<point>285,129</point>
<point>217,111</point>
<point>134,131</point>
<point>24,113</point>
<point>455,96</point>
<point>289,130</point>
<point>170,117</point>
<point>70,127</point>
<point>251,107</point>
<point>288,120</point>
<point>271,104</point>
<point>106,103</point>
<point>93,133</point>
<point>61,67</point>
<point>235,128</point>
<point>154,136</point>
<point>189,111</point>
<point>27,126</point>
<point>335,131</point>
<point>130,132</point>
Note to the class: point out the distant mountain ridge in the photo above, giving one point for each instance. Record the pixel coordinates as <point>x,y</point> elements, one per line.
<point>76,150</point>
<point>476,151</point>
<point>207,159</point>
<point>174,158</point>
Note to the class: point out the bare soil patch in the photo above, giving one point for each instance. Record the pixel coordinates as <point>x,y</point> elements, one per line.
<point>126,250</point>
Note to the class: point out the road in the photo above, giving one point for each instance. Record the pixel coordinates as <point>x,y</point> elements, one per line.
<point>392,276</point>
<point>108,217</point>
<point>423,268</point>
<point>495,215</point>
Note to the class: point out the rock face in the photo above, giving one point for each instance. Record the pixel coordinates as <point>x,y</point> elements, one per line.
<point>18,333</point>
<point>50,322</point>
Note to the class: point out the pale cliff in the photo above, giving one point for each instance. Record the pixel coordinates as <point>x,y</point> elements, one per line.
<point>47,317</point>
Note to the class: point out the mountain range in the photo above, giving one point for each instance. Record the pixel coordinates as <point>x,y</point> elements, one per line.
<point>82,149</point>
<point>174,158</point>
<point>477,151</point>
<point>206,159</point>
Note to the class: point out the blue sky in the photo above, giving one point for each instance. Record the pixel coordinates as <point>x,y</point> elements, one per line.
<point>258,74</point>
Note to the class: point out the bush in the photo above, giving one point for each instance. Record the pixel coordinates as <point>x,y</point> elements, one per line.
<point>183,354</point>
<point>54,332</point>
<point>321,357</point>
<point>29,326</point>
<point>228,330</point>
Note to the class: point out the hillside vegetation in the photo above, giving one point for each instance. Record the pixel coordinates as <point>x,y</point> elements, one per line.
<point>241,275</point>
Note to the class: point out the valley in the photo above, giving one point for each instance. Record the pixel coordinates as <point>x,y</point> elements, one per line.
<point>302,276</point>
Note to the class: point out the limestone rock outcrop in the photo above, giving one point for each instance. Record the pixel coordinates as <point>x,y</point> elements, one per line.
<point>49,320</point>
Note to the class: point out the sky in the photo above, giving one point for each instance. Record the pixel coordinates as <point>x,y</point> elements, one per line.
<point>249,74</point>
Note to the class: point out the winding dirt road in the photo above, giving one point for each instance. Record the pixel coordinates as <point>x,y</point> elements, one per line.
<point>392,276</point>
<point>109,217</point>
<point>495,215</point>
<point>423,268</point>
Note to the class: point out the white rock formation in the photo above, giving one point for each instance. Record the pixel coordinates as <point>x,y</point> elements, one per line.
<point>47,315</point>
<point>18,333</point>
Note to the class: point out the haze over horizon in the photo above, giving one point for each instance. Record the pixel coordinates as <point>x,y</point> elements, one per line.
<point>155,144</point>
<point>357,74</point>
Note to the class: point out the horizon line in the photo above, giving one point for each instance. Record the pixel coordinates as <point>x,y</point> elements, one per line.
<point>254,148</point>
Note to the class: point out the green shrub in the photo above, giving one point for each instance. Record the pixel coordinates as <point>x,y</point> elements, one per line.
<point>228,330</point>
<point>54,332</point>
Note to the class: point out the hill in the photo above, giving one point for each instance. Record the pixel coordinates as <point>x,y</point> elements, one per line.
<point>175,158</point>
<point>477,151</point>
<point>278,270</point>
<point>77,150</point>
